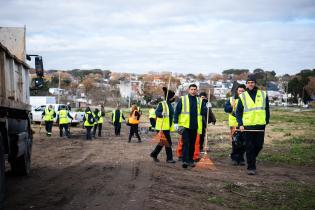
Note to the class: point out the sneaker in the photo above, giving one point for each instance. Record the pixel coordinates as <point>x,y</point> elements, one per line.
<point>242,163</point>
<point>234,163</point>
<point>251,172</point>
<point>171,161</point>
<point>185,165</point>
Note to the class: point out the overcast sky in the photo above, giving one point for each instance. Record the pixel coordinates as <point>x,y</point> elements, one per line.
<point>187,36</point>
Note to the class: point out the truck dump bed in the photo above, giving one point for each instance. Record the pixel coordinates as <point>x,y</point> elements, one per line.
<point>14,81</point>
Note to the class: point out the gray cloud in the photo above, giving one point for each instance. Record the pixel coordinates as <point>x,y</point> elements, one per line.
<point>182,36</point>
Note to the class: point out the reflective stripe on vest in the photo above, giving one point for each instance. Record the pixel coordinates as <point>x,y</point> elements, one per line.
<point>100,117</point>
<point>254,112</point>
<point>49,115</point>
<point>232,119</point>
<point>114,116</point>
<point>63,117</point>
<point>152,113</point>
<point>184,116</point>
<point>164,123</point>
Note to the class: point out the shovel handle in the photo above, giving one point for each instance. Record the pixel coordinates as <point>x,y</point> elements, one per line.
<point>250,130</point>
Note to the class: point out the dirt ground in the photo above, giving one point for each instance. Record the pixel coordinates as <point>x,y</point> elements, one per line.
<point>109,173</point>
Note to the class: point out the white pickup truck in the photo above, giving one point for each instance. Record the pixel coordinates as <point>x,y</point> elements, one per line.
<point>37,114</point>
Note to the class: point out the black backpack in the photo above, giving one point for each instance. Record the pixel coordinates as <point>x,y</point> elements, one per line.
<point>91,119</point>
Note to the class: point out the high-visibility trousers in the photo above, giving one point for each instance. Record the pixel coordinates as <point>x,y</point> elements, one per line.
<point>179,149</point>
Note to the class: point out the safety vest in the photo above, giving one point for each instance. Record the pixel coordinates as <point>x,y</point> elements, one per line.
<point>114,116</point>
<point>232,119</point>
<point>184,116</point>
<point>152,113</point>
<point>49,115</point>
<point>133,118</point>
<point>63,117</point>
<point>100,118</point>
<point>86,122</point>
<point>164,123</point>
<point>254,112</point>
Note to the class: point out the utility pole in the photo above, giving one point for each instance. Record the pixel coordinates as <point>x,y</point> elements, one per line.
<point>59,89</point>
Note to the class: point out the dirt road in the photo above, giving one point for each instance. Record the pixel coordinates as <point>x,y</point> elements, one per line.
<point>109,173</point>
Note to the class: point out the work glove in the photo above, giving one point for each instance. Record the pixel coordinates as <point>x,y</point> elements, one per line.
<point>208,105</point>
<point>176,127</point>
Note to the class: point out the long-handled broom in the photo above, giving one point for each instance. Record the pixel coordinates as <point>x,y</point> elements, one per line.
<point>205,162</point>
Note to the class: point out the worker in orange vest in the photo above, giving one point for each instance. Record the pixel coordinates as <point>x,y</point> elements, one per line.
<point>133,121</point>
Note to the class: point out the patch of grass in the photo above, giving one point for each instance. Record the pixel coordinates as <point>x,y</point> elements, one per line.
<point>216,200</point>
<point>277,130</point>
<point>295,151</point>
<point>285,195</point>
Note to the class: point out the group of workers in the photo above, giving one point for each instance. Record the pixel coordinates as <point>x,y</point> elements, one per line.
<point>248,112</point>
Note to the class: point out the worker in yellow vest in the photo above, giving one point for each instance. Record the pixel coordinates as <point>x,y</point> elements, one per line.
<point>98,122</point>
<point>188,119</point>
<point>164,122</point>
<point>48,115</point>
<point>133,122</point>
<point>89,122</point>
<point>117,118</point>
<point>63,120</point>
<point>152,118</point>
<point>252,113</point>
<point>238,143</point>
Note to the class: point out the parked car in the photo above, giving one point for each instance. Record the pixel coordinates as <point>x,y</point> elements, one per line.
<point>36,115</point>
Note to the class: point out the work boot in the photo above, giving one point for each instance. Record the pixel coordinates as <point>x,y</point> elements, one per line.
<point>251,172</point>
<point>169,153</point>
<point>155,159</point>
<point>185,164</point>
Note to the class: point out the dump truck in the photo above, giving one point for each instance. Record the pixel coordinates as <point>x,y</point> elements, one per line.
<point>15,125</point>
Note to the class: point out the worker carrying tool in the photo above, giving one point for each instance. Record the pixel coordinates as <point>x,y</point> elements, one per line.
<point>117,118</point>
<point>252,113</point>
<point>63,120</point>
<point>152,118</point>
<point>48,115</point>
<point>98,114</point>
<point>164,124</point>
<point>238,142</point>
<point>188,118</point>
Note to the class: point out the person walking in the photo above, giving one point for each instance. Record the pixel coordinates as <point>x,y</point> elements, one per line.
<point>188,117</point>
<point>238,143</point>
<point>134,120</point>
<point>252,113</point>
<point>164,123</point>
<point>48,115</point>
<point>63,119</point>
<point>117,118</point>
<point>89,121</point>
<point>152,118</point>
<point>98,114</point>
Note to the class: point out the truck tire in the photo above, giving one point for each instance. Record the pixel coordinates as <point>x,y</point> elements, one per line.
<point>2,173</point>
<point>22,165</point>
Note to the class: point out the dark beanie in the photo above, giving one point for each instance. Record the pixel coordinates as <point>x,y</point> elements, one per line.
<point>204,94</point>
<point>251,77</point>
<point>170,95</point>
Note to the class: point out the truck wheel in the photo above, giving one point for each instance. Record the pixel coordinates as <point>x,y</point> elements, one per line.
<point>22,165</point>
<point>2,173</point>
